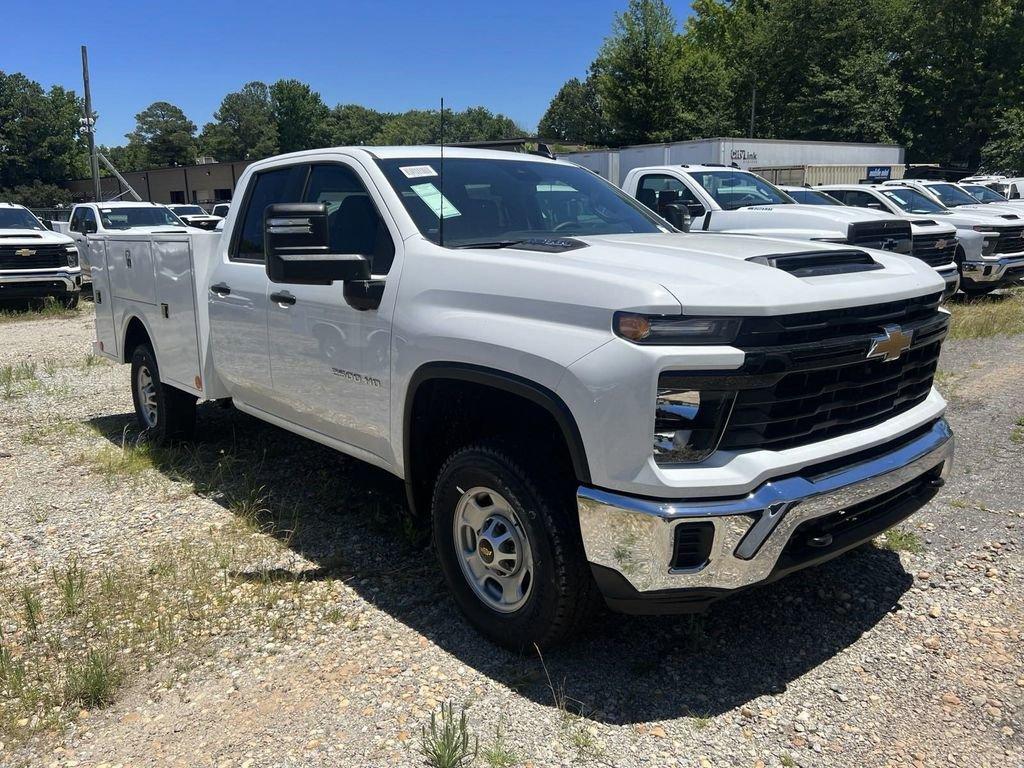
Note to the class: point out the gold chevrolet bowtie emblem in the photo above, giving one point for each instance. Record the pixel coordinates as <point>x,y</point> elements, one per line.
<point>25,252</point>
<point>891,345</point>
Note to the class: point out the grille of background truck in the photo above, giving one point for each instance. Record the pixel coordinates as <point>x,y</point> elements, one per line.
<point>893,235</point>
<point>926,249</point>
<point>1010,240</point>
<point>45,257</point>
<point>808,379</point>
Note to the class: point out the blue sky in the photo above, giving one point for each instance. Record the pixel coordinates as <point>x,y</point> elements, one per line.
<point>400,54</point>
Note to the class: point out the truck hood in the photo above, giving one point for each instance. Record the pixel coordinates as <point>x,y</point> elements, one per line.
<point>799,220</point>
<point>930,225</point>
<point>712,274</point>
<point>33,237</point>
<point>965,216</point>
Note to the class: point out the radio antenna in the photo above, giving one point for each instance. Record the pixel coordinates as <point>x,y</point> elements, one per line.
<point>440,208</point>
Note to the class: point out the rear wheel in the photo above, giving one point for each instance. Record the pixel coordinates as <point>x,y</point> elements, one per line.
<point>509,548</point>
<point>164,412</point>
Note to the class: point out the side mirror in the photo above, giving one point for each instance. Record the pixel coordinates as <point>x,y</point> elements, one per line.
<point>296,245</point>
<point>49,225</point>
<point>678,216</point>
<point>696,210</point>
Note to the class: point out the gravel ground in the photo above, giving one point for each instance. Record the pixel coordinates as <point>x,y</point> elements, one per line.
<point>910,658</point>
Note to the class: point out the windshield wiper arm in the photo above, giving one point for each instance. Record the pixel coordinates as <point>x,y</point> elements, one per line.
<point>489,244</point>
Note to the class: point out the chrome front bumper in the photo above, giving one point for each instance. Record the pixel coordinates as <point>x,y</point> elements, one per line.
<point>635,537</point>
<point>994,270</point>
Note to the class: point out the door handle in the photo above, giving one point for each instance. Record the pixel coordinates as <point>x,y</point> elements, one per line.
<point>221,289</point>
<point>282,298</point>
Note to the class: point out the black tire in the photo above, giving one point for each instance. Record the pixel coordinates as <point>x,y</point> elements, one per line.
<point>563,596</point>
<point>70,300</point>
<point>175,411</point>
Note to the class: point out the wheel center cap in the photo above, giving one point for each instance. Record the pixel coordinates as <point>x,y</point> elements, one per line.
<point>486,551</point>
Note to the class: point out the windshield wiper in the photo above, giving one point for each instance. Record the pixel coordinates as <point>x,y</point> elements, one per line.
<point>489,244</point>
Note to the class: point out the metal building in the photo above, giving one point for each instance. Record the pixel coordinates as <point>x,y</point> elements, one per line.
<point>782,162</point>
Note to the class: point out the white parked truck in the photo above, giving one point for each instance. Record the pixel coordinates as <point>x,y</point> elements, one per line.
<point>116,216</point>
<point>36,263</point>
<point>997,261</point>
<point>714,198</point>
<point>195,216</point>
<point>582,401</point>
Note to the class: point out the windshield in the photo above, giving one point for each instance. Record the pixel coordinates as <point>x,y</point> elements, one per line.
<point>499,202</point>
<point>984,194</point>
<point>812,197</point>
<point>188,210</point>
<point>912,201</point>
<point>126,218</point>
<point>735,189</point>
<point>18,218</point>
<point>951,196</point>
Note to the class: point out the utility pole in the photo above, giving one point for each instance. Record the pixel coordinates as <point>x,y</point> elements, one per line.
<point>88,127</point>
<point>753,108</point>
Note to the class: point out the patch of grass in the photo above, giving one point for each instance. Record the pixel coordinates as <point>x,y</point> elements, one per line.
<point>33,607</point>
<point>899,540</point>
<point>985,316</point>
<point>70,582</point>
<point>787,761</point>
<point>447,741</point>
<point>1017,433</point>
<point>55,431</point>
<point>48,308</point>
<point>16,378</point>
<point>93,680</point>
<point>498,754</point>
<point>129,460</point>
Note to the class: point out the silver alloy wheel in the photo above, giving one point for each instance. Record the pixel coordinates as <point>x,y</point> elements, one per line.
<point>493,549</point>
<point>147,395</point>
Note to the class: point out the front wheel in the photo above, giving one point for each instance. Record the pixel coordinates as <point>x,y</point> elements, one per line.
<point>510,550</point>
<point>70,300</point>
<point>164,412</point>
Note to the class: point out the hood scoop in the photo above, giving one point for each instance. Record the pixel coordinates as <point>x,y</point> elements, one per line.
<point>926,223</point>
<point>1012,216</point>
<point>817,263</point>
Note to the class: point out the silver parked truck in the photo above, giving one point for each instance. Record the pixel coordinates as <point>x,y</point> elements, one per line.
<point>586,405</point>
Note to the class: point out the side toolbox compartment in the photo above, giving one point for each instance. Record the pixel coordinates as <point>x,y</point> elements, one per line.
<point>176,324</point>
<point>106,337</point>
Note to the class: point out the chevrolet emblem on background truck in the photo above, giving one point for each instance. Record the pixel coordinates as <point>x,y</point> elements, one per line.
<point>24,252</point>
<point>890,346</point>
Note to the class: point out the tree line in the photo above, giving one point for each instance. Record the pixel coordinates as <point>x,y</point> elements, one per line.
<point>40,145</point>
<point>945,78</point>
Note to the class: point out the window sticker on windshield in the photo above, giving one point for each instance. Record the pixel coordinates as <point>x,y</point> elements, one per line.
<point>107,210</point>
<point>432,196</point>
<point>418,171</point>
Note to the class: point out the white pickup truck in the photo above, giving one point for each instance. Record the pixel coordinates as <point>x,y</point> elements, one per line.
<point>998,261</point>
<point>716,198</point>
<point>116,216</point>
<point>34,262</point>
<point>582,401</point>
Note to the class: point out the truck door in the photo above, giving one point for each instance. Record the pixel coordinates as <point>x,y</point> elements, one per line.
<point>655,190</point>
<point>83,221</point>
<point>330,363</point>
<point>238,290</point>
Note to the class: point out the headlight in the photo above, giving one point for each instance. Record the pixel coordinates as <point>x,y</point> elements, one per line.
<point>688,424</point>
<point>72,254</point>
<point>675,329</point>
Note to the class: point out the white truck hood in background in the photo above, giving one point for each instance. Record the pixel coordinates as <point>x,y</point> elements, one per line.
<point>797,218</point>
<point>36,236</point>
<point>712,274</point>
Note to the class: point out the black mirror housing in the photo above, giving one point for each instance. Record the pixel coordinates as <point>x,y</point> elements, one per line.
<point>678,216</point>
<point>296,247</point>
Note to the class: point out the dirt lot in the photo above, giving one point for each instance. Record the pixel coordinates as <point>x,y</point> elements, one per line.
<point>257,600</point>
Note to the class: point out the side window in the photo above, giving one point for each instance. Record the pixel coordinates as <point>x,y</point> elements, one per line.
<point>89,219</point>
<point>838,194</point>
<point>75,224</point>
<point>355,225</point>
<point>861,200</point>
<point>657,190</point>
<point>281,185</point>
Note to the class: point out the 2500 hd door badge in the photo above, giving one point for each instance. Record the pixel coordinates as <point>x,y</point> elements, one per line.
<point>357,378</point>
